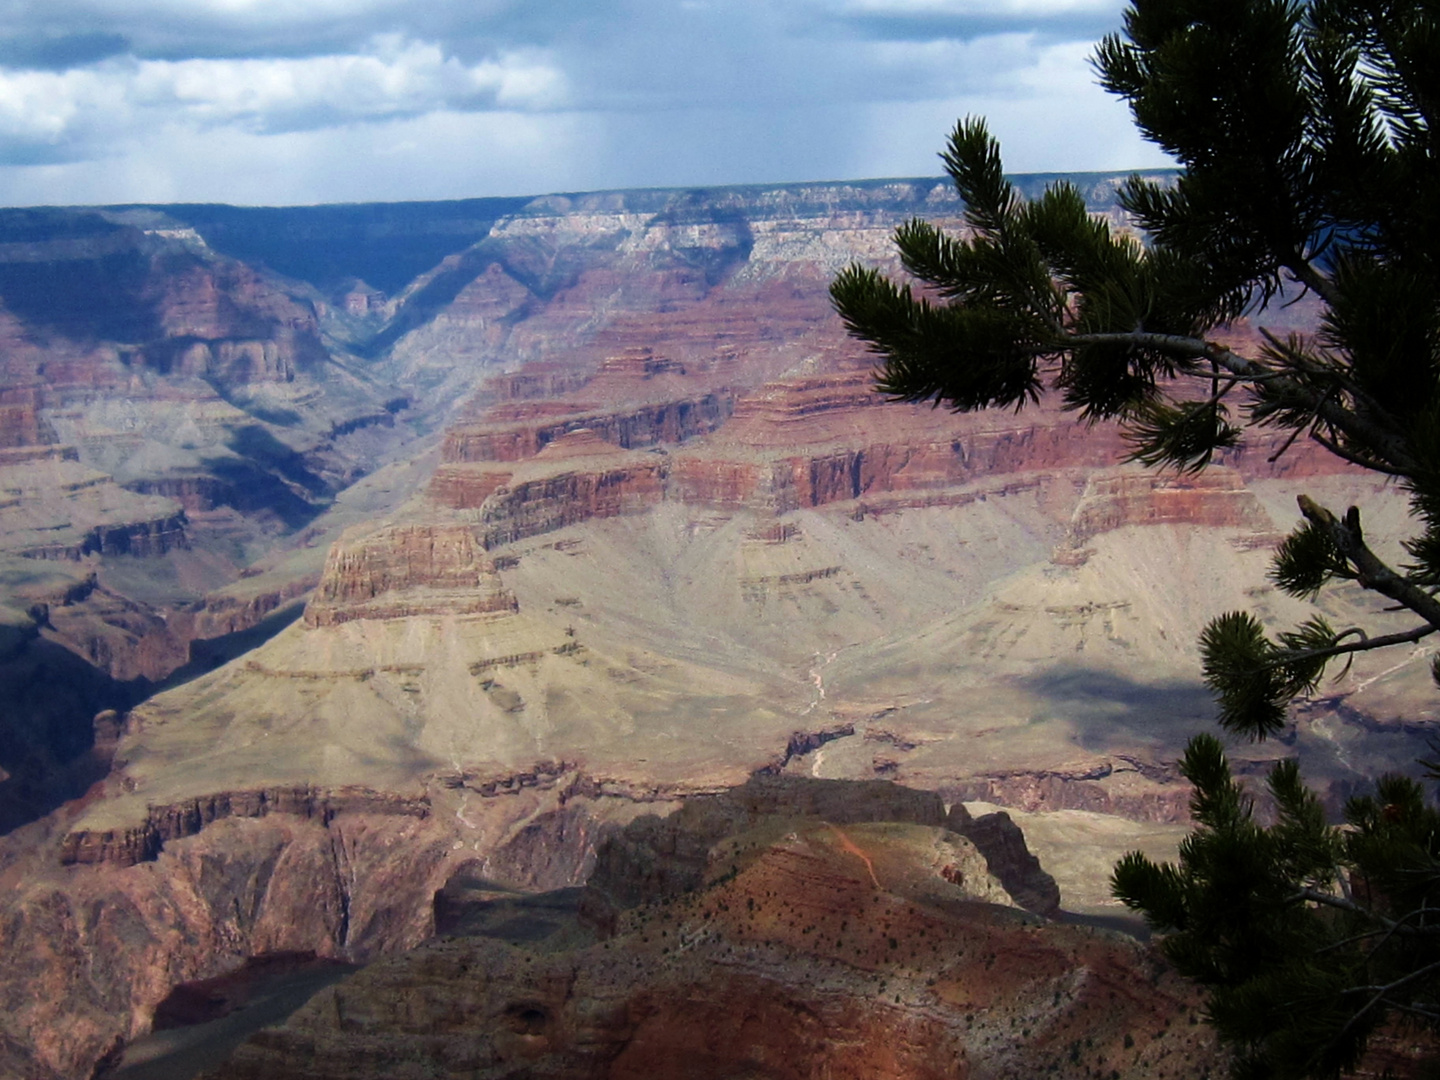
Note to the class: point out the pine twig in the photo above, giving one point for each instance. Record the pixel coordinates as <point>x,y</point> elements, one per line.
<point>1370,571</point>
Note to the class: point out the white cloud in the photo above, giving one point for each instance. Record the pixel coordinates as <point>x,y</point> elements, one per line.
<point>100,104</point>
<point>396,78</point>
<point>436,156</point>
<point>1047,113</point>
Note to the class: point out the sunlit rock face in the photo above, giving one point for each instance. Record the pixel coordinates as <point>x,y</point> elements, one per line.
<point>596,514</point>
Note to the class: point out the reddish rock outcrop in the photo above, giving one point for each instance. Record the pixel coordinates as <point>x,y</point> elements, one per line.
<point>139,538</point>
<point>535,426</point>
<point>466,487</point>
<point>1082,789</point>
<point>407,570</point>
<point>653,858</point>
<point>234,610</point>
<point>93,946</point>
<point>223,320</point>
<point>1216,497</point>
<point>538,380</point>
<point>535,504</point>
<point>126,847</point>
<point>19,418</point>
<point>121,637</point>
<point>810,950</point>
<point>90,950</point>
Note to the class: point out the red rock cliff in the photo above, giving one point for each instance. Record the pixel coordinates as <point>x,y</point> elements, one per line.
<point>407,570</point>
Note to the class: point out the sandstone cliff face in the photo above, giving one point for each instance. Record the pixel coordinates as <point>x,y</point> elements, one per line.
<point>166,823</point>
<point>1215,497</point>
<point>629,428</point>
<point>167,412</point>
<point>405,571</point>
<point>222,319</point>
<point>526,507</point>
<point>1008,857</point>
<point>116,941</point>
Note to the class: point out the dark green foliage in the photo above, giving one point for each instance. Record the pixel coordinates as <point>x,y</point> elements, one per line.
<point>1307,935</point>
<point>1301,128</point>
<point>1306,560</point>
<point>1305,133</point>
<point>1253,678</point>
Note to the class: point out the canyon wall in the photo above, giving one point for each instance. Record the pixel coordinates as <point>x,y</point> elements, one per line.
<point>596,513</point>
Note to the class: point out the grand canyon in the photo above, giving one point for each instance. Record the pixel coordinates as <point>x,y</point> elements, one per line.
<point>530,603</point>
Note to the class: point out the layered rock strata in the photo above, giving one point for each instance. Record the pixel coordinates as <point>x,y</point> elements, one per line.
<point>803,949</point>
<point>166,823</point>
<point>613,591</point>
<point>343,875</point>
<point>654,858</point>
<point>406,571</point>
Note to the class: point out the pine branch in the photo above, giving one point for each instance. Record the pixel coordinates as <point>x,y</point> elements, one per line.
<point>1370,572</point>
<point>1390,987</point>
<point>1312,279</point>
<point>1355,459</point>
<point>1291,353</point>
<point>1365,644</point>
<point>1381,994</point>
<point>1279,385</point>
<point>1329,900</point>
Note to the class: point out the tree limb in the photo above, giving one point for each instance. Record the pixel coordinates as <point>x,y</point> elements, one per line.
<point>1355,459</point>
<point>1363,645</point>
<point>1301,270</point>
<point>1384,441</point>
<point>1380,994</point>
<point>1371,572</point>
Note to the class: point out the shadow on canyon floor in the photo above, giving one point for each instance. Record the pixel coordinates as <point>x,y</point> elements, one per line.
<point>1112,713</point>
<point>210,653</point>
<point>264,998</point>
<point>1341,749</point>
<point>202,1023</point>
<point>47,729</point>
<point>51,696</point>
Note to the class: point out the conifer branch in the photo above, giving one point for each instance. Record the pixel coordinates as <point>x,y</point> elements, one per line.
<point>1278,385</point>
<point>1365,644</point>
<point>1312,279</point>
<point>1355,459</point>
<point>1387,925</point>
<point>1303,135</point>
<point>1370,571</point>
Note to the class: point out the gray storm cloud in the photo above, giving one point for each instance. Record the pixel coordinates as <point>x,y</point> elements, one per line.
<point>103,100</point>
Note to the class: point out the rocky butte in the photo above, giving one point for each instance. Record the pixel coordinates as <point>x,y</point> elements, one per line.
<point>349,597</point>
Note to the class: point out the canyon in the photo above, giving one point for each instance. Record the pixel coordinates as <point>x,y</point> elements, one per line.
<point>324,593</point>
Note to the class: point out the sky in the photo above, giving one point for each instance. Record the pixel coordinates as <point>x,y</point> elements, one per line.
<point>285,102</point>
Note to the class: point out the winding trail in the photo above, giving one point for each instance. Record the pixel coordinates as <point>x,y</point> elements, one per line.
<point>1417,653</point>
<point>846,844</point>
<point>460,812</point>
<point>817,678</point>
